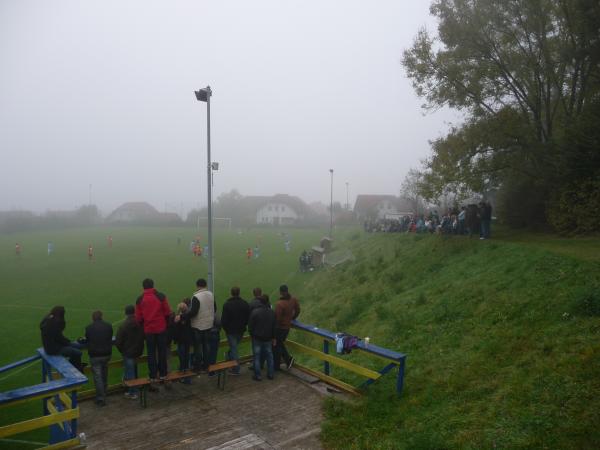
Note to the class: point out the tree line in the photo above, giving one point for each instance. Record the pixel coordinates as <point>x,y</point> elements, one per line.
<point>525,74</point>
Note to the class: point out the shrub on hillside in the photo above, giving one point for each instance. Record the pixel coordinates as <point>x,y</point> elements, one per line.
<point>587,302</point>
<point>576,208</point>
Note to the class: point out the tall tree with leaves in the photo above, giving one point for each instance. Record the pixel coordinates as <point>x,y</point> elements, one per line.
<point>525,73</point>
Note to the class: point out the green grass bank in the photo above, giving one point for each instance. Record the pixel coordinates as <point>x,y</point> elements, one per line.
<point>502,338</point>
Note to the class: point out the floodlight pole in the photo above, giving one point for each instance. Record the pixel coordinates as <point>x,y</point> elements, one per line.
<point>331,207</point>
<point>204,95</point>
<point>211,286</point>
<point>347,201</point>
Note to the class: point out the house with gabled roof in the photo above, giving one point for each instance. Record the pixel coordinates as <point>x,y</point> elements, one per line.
<point>141,213</point>
<point>279,209</point>
<point>380,206</point>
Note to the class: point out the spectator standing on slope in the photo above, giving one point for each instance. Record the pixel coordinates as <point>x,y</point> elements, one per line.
<point>234,321</point>
<point>99,342</point>
<point>286,310</point>
<point>130,342</point>
<point>152,311</point>
<point>261,326</point>
<point>201,316</point>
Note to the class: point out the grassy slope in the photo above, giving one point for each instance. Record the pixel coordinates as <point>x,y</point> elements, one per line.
<point>501,338</point>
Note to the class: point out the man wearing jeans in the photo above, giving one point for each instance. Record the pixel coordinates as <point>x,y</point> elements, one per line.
<point>234,321</point>
<point>99,340</point>
<point>286,310</point>
<point>130,342</point>
<point>261,326</point>
<point>201,316</point>
<point>151,311</point>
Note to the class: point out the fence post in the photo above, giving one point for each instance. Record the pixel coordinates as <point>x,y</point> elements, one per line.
<point>74,421</point>
<point>400,379</point>
<point>326,351</point>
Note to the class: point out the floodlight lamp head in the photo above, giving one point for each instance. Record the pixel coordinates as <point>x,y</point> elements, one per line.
<point>215,165</point>
<point>202,95</point>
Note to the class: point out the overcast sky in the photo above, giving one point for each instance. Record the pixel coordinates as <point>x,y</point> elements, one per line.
<point>101,93</point>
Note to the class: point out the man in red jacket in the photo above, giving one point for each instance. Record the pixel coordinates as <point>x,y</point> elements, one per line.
<point>151,311</point>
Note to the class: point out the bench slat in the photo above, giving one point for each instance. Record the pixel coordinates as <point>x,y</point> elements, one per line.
<point>222,365</point>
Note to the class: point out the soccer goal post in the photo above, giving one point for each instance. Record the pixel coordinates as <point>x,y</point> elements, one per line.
<point>218,221</point>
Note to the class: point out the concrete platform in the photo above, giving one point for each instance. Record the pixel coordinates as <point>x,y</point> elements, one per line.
<point>283,413</point>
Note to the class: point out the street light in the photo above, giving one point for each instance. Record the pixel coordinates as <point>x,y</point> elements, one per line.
<point>347,201</point>
<point>331,207</point>
<point>203,95</point>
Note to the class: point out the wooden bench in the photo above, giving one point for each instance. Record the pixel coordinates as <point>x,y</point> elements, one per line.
<point>221,369</point>
<point>143,384</point>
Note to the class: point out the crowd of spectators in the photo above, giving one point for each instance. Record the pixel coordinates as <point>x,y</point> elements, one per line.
<point>194,328</point>
<point>471,220</point>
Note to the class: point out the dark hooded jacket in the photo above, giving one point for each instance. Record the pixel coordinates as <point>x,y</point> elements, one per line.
<point>99,338</point>
<point>130,338</point>
<point>235,315</point>
<point>52,334</point>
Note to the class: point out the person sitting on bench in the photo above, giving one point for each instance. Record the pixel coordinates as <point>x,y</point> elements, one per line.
<point>53,340</point>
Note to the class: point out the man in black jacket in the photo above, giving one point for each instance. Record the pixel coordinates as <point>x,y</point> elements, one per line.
<point>130,342</point>
<point>99,340</point>
<point>261,326</point>
<point>234,321</point>
<point>53,340</point>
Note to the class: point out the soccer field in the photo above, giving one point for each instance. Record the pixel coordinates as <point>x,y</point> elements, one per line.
<point>34,281</point>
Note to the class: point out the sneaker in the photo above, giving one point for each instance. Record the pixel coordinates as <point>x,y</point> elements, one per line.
<point>270,377</point>
<point>211,374</point>
<point>100,403</point>
<point>233,372</point>
<point>255,378</point>
<point>290,363</point>
<point>131,396</point>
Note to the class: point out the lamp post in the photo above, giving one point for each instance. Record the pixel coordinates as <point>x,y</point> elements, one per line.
<point>203,95</point>
<point>331,207</point>
<point>347,201</point>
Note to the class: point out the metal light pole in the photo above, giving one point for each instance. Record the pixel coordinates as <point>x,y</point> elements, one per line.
<point>203,95</point>
<point>331,207</point>
<point>347,201</point>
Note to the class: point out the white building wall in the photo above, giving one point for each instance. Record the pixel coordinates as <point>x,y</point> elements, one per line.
<point>276,212</point>
<point>385,207</point>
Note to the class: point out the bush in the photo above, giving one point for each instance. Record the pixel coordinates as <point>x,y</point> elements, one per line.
<point>587,302</point>
<point>576,208</point>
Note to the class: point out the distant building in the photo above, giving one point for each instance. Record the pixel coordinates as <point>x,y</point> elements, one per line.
<point>380,206</point>
<point>141,213</point>
<point>280,209</point>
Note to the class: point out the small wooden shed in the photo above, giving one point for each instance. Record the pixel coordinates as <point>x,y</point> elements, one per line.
<point>326,244</point>
<point>318,256</point>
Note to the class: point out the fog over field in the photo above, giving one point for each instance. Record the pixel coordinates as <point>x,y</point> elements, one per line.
<point>102,93</point>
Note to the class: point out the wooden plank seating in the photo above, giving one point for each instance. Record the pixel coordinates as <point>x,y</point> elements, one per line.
<point>144,384</point>
<point>221,369</point>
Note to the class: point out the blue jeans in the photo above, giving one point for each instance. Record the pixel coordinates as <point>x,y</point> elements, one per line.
<point>183,351</point>
<point>200,349</point>
<point>234,340</point>
<point>213,346</point>
<point>280,351</point>
<point>100,373</point>
<point>130,372</point>
<point>485,228</point>
<point>156,345</point>
<point>262,350</point>
<point>73,353</point>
